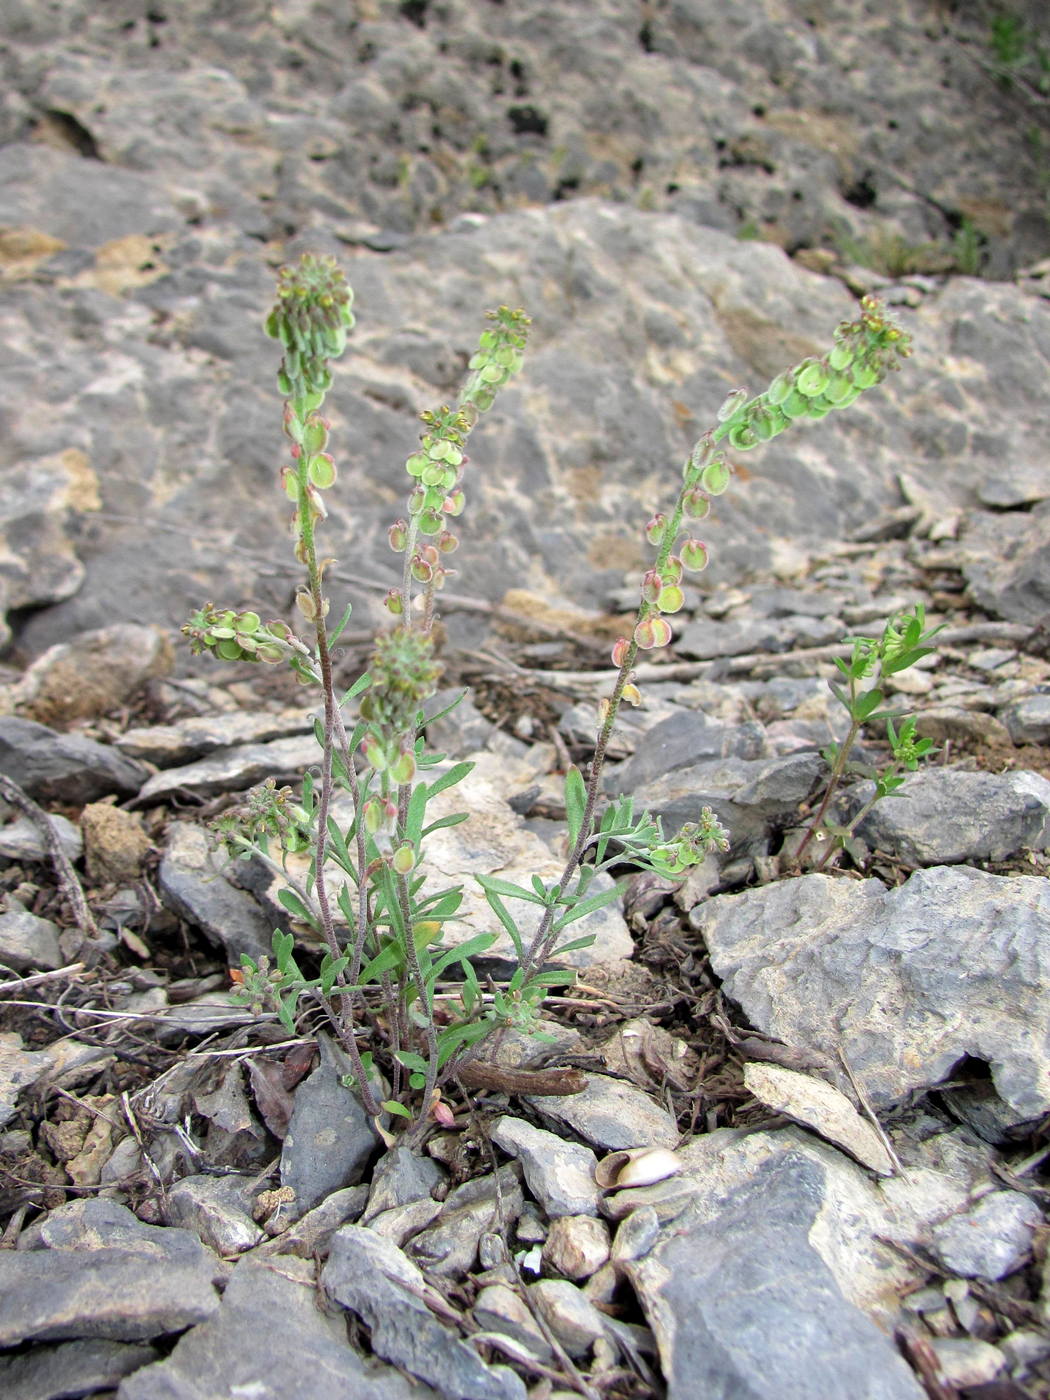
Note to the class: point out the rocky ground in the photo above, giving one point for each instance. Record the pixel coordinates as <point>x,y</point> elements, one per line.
<point>810,1153</point>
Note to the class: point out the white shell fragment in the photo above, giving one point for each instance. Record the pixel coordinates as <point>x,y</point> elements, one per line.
<point>818,1105</point>
<point>636,1166</point>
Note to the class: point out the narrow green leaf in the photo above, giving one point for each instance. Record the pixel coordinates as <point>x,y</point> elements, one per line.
<point>455,775</point>
<point>585,907</point>
<point>442,904</point>
<point>503,914</point>
<point>453,819</point>
<point>557,977</point>
<point>510,891</point>
<point>865,705</point>
<point>584,941</point>
<point>575,802</point>
<point>433,719</point>
<point>398,1109</point>
<point>289,900</point>
<point>334,634</point>
<point>480,943</point>
<point>417,806</point>
<point>390,958</point>
<point>541,889</point>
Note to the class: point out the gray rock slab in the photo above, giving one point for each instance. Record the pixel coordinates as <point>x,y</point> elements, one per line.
<point>188,739</point>
<point>819,1105</point>
<point>559,1174</point>
<point>230,770</point>
<point>39,502</point>
<point>576,1246</point>
<point>743,1305</point>
<point>268,1340</point>
<point>570,1315</point>
<point>943,815</point>
<point>113,1292</point>
<point>500,1308</point>
<point>371,1277</point>
<point>27,941</point>
<point>680,741</point>
<point>217,1209</point>
<point>330,1137</point>
<point>18,1069</point>
<point>750,797</point>
<point>193,886</point>
<point>989,1240</point>
<point>64,768</point>
<point>450,1246</point>
<point>94,673</point>
<point>70,1369</point>
<point>1028,720</point>
<point>401,1176</point>
<point>610,1114</point>
<point>1006,562</point>
<point>310,1235</point>
<point>22,839</point>
<point>905,981</point>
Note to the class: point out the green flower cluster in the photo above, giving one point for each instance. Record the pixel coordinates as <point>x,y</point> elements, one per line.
<point>404,673</point>
<point>311,318</point>
<point>691,844</point>
<point>865,351</point>
<point>266,812</point>
<point>241,636</point>
<point>500,354</point>
<point>437,468</point>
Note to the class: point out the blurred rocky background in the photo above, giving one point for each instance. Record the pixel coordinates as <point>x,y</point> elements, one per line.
<point>684,195</point>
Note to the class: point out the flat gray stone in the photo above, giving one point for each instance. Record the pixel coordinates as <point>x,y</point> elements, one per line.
<point>371,1277</point>
<point>906,981</point>
<point>18,1069</point>
<point>230,770</point>
<point>330,1138</point>
<point>680,741</point>
<point>744,1308</point>
<point>114,1292</point>
<point>819,1105</point>
<point>399,1177</point>
<point>184,740</point>
<point>64,768</point>
<point>750,797</point>
<point>610,1114</point>
<point>449,1247</point>
<point>192,885</point>
<point>269,1341</point>
<point>70,1369</point>
<point>1006,562</point>
<point>559,1174</point>
<point>1028,720</point>
<point>991,1239</point>
<point>941,816</point>
<point>27,942</point>
<point>22,839</point>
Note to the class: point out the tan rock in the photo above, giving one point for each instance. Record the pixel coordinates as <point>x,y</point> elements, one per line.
<point>115,844</point>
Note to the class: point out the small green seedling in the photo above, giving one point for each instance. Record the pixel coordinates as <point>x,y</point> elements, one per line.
<point>904,641</point>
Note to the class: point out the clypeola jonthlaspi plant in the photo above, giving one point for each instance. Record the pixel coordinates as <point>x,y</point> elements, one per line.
<point>387,977</point>
<point>903,642</point>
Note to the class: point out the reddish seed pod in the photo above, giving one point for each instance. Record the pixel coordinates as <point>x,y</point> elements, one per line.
<point>654,632</point>
<point>654,528</point>
<point>651,585</point>
<point>694,555</point>
<point>619,651</point>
